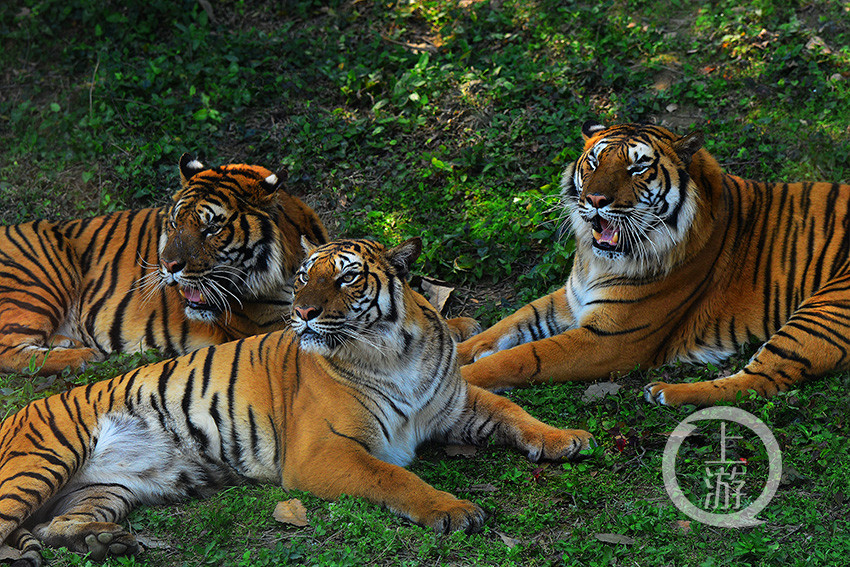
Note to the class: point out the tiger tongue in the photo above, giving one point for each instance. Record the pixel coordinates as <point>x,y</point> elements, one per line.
<point>608,235</point>
<point>193,295</point>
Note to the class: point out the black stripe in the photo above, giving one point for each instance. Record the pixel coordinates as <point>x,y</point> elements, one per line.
<point>356,440</point>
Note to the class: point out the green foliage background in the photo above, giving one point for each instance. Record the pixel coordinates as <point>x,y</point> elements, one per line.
<point>449,120</point>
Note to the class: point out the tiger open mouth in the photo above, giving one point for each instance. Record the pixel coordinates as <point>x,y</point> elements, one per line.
<point>195,298</point>
<point>605,235</point>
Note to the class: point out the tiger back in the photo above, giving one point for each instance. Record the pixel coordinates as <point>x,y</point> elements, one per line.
<point>676,259</point>
<point>334,405</point>
<point>215,265</point>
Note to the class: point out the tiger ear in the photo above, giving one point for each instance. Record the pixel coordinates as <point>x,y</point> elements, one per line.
<point>307,246</point>
<point>188,168</point>
<point>401,257</point>
<point>686,146</point>
<point>273,182</point>
<point>590,128</point>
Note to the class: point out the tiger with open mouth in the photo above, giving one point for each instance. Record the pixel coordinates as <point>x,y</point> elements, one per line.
<point>677,260</point>
<point>215,265</point>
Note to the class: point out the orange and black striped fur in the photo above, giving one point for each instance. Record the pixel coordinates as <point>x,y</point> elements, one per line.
<point>676,259</point>
<point>336,404</point>
<point>215,265</point>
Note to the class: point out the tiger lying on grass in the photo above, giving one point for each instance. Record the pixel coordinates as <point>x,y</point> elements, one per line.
<point>335,405</point>
<point>677,260</point>
<point>213,266</point>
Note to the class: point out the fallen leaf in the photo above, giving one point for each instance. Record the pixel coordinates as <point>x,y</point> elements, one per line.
<point>683,525</point>
<point>461,450</point>
<point>437,293</point>
<point>149,542</point>
<point>815,43</point>
<point>291,512</point>
<point>791,476</point>
<point>599,390</point>
<point>615,538</point>
<point>507,540</point>
<point>483,488</point>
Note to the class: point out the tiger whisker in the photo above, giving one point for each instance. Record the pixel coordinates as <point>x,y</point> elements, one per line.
<point>222,290</point>
<point>143,262</point>
<point>144,281</point>
<point>149,284</point>
<point>361,336</point>
<point>231,271</point>
<point>214,294</point>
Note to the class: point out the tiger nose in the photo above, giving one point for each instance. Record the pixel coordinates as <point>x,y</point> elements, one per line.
<point>598,201</point>
<point>172,266</point>
<point>308,312</point>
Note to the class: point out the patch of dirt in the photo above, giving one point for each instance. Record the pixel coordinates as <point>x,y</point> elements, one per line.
<point>25,187</point>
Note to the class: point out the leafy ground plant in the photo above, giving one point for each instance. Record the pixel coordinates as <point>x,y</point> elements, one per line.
<point>449,120</point>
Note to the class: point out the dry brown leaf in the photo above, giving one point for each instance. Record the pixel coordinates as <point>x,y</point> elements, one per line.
<point>437,293</point>
<point>683,525</point>
<point>291,512</point>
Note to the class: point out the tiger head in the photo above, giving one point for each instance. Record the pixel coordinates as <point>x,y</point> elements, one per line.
<point>630,197</point>
<point>223,238</point>
<point>350,294</point>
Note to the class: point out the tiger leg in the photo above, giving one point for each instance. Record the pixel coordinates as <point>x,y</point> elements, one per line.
<point>39,283</point>
<point>347,468</point>
<point>490,416</point>
<point>547,316</point>
<point>45,360</point>
<point>811,343</point>
<point>29,548</point>
<point>574,355</point>
<point>86,519</point>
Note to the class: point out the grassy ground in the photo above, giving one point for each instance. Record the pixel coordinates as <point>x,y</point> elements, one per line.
<point>449,120</point>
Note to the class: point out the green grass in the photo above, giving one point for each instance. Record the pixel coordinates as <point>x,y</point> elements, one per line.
<point>449,120</point>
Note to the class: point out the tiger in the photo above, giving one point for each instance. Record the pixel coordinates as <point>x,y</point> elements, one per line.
<point>214,265</point>
<point>677,260</point>
<point>334,404</point>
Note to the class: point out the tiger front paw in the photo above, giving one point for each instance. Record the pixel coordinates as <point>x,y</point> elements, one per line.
<point>463,328</point>
<point>554,444</point>
<point>675,395</point>
<point>92,356</point>
<point>471,350</point>
<point>451,514</point>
